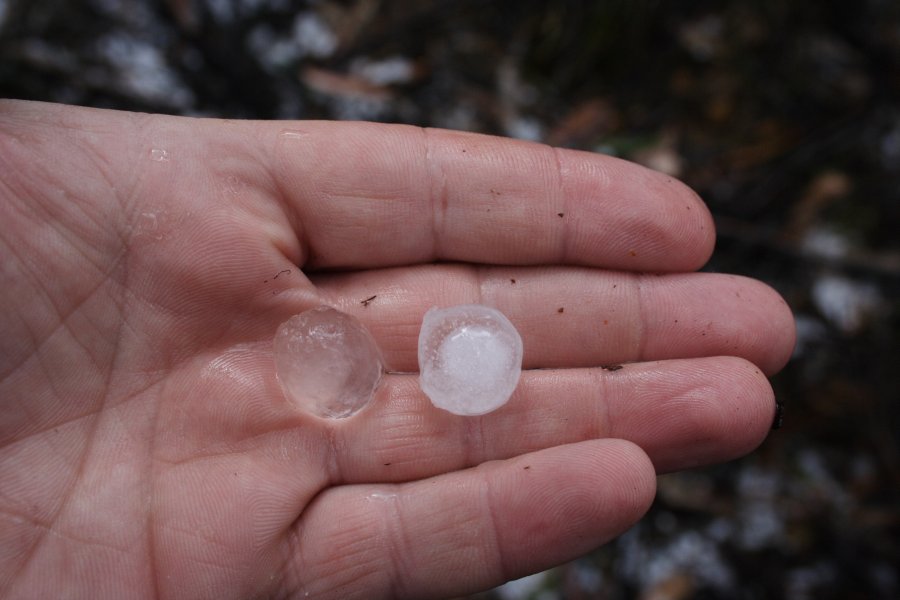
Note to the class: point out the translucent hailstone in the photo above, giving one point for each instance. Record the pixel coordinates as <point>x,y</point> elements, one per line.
<point>470,358</point>
<point>327,363</point>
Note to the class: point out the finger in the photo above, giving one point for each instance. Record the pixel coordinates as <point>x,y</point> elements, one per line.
<point>469,530</point>
<point>683,413</point>
<point>368,195</point>
<point>576,317</point>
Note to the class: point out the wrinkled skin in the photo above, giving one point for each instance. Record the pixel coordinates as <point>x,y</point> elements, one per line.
<point>147,451</point>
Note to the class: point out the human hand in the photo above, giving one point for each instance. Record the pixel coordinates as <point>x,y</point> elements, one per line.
<point>146,448</point>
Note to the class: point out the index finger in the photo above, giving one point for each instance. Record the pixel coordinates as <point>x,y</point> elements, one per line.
<point>371,195</point>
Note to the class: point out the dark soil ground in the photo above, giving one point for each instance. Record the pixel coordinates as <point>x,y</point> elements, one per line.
<point>785,116</point>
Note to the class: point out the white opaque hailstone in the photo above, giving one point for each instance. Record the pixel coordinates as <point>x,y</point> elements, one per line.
<point>328,364</point>
<point>470,358</point>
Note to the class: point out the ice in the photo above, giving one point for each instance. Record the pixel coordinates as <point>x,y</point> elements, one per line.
<point>328,364</point>
<point>470,358</point>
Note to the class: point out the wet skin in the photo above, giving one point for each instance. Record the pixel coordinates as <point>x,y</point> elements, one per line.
<point>146,449</point>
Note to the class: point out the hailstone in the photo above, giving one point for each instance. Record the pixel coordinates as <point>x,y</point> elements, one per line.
<point>327,363</point>
<point>470,358</point>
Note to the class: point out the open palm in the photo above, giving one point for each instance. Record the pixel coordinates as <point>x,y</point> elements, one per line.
<point>146,449</point>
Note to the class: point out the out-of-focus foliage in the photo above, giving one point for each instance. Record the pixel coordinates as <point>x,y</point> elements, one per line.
<point>785,116</point>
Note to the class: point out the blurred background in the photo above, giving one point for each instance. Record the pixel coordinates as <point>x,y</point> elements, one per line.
<point>783,115</point>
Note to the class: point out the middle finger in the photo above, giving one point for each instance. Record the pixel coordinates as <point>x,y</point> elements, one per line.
<point>576,317</point>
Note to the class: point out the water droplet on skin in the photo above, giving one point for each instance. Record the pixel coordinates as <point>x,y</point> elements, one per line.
<point>293,133</point>
<point>327,363</point>
<point>148,222</point>
<point>159,155</point>
<point>381,497</point>
<point>151,225</point>
<point>470,358</point>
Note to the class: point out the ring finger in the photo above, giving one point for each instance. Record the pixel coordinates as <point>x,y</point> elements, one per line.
<point>683,413</point>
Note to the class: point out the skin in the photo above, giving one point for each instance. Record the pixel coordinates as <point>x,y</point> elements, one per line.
<point>146,449</point>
